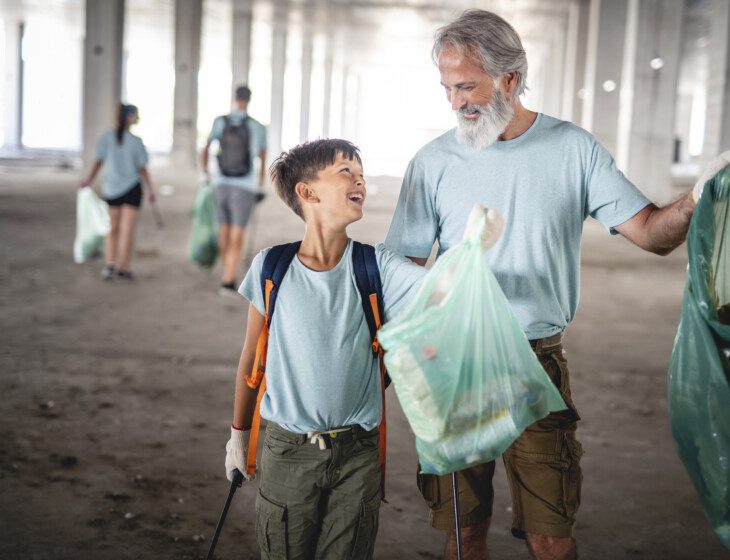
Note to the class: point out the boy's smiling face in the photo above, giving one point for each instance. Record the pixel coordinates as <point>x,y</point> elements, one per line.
<point>337,195</point>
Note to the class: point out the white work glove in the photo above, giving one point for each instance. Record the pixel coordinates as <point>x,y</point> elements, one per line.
<point>493,225</point>
<point>710,170</point>
<point>236,451</point>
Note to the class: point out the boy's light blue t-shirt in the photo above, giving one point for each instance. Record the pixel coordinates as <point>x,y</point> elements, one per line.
<point>121,162</point>
<point>545,183</point>
<point>321,372</point>
<point>257,142</point>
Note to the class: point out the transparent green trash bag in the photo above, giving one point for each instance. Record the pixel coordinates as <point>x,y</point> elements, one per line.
<point>203,246</point>
<point>92,225</point>
<point>465,374</point>
<point>699,369</point>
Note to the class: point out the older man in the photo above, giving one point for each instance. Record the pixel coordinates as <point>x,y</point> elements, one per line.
<point>546,176</point>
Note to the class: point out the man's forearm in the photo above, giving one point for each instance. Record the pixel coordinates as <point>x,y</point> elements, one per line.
<point>666,228</point>
<point>204,158</point>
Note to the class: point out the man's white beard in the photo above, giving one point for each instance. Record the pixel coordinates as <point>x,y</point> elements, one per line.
<point>484,131</point>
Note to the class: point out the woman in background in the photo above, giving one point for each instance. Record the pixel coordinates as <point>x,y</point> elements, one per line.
<point>126,158</point>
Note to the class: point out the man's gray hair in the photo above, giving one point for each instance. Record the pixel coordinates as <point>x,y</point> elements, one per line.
<point>490,40</point>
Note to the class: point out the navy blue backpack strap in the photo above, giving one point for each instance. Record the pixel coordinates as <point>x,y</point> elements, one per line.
<point>276,264</point>
<point>367,277</point>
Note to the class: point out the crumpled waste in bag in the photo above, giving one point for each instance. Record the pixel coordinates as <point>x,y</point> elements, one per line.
<point>203,244</point>
<point>699,369</point>
<point>92,225</point>
<point>464,372</point>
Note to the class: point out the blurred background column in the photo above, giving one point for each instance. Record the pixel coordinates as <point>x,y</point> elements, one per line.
<point>575,60</point>
<point>604,58</point>
<point>13,93</point>
<point>717,123</point>
<point>306,63</point>
<point>328,70</point>
<point>188,16</point>
<point>241,42</point>
<point>102,69</point>
<point>278,67</point>
<point>652,50</point>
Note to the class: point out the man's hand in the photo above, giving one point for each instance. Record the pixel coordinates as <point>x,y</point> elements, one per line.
<point>85,183</point>
<point>711,169</point>
<point>493,225</point>
<point>236,451</point>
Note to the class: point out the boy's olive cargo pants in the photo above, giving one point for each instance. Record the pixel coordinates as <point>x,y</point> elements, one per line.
<point>318,503</point>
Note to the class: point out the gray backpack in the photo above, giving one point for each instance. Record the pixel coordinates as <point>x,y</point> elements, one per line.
<point>234,155</point>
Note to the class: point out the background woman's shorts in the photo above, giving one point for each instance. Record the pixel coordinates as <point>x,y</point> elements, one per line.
<point>133,197</point>
<point>542,465</point>
<point>233,205</point>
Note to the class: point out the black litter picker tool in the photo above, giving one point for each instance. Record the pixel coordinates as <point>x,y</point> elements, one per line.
<point>457,516</point>
<point>235,483</point>
<point>156,215</point>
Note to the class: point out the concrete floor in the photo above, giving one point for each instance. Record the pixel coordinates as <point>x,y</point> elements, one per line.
<point>116,399</point>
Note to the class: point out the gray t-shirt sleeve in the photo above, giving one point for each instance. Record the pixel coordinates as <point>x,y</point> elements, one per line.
<point>400,279</point>
<point>414,226</point>
<point>140,154</point>
<point>251,286</point>
<point>102,147</point>
<point>260,138</point>
<point>610,197</point>
<point>217,130</point>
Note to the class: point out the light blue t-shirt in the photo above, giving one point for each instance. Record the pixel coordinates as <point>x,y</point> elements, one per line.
<point>257,142</point>
<point>545,183</point>
<point>121,162</point>
<point>321,372</point>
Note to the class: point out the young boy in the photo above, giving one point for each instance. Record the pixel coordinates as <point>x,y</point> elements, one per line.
<point>319,493</point>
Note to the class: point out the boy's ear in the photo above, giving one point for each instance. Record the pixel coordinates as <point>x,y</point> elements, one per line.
<point>306,193</point>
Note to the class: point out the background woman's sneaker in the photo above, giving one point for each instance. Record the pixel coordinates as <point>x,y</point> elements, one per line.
<point>228,289</point>
<point>125,275</point>
<point>107,273</point>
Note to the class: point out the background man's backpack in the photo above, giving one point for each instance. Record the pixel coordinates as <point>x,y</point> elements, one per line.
<point>234,156</point>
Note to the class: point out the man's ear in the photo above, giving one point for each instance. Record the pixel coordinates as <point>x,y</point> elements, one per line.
<point>306,192</point>
<point>509,83</point>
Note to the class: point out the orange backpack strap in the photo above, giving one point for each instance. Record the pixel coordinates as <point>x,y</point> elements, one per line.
<point>257,379</point>
<point>276,263</point>
<point>383,426</point>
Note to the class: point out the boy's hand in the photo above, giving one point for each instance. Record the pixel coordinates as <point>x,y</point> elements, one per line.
<point>236,450</point>
<point>493,225</point>
<point>710,170</point>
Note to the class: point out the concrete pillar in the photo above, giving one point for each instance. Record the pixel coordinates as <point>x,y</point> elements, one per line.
<point>13,85</point>
<point>575,60</point>
<point>102,69</point>
<point>604,58</point>
<point>652,50</point>
<point>278,68</point>
<point>717,123</point>
<point>188,18</point>
<point>307,49</point>
<point>328,70</point>
<point>555,60</point>
<point>241,41</point>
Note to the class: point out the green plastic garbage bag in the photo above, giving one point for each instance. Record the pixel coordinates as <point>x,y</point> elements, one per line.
<point>92,225</point>
<point>699,369</point>
<point>203,246</point>
<point>464,373</point>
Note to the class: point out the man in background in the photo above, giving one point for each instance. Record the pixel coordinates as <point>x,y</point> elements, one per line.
<point>238,181</point>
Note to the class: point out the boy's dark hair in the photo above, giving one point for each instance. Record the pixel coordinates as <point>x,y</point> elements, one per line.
<point>303,162</point>
<point>243,93</point>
